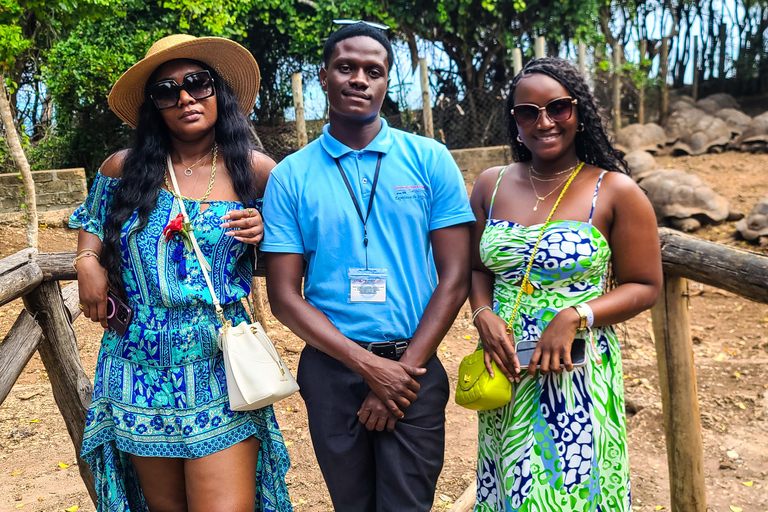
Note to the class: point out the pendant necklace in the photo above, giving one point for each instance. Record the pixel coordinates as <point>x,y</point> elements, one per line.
<point>215,150</point>
<point>188,168</point>
<point>543,198</point>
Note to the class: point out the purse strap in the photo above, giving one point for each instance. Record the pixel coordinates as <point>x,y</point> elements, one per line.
<point>527,278</point>
<point>204,265</point>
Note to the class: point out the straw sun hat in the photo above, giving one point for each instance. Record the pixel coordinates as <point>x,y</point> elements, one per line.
<point>234,63</point>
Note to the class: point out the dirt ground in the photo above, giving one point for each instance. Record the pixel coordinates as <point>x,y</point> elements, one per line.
<point>730,345</point>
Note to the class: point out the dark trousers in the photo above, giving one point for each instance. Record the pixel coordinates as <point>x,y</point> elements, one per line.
<point>370,471</point>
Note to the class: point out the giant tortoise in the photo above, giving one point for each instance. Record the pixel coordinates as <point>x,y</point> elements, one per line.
<point>683,201</point>
<point>754,227</point>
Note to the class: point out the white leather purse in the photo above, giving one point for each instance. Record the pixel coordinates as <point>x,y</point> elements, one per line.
<point>256,374</point>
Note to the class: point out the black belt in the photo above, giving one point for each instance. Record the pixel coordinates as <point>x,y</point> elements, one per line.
<point>389,349</point>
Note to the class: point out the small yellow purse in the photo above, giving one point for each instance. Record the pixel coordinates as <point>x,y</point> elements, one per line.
<point>476,389</point>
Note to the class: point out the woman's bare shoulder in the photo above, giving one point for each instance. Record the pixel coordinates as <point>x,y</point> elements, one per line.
<point>113,165</point>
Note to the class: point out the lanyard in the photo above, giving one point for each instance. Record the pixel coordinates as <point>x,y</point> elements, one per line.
<point>357,205</point>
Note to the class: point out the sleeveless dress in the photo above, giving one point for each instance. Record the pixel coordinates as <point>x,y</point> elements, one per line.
<point>160,390</point>
<point>560,444</point>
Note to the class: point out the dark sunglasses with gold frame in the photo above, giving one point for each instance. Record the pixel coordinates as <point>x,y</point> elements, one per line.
<point>558,110</point>
<point>166,93</point>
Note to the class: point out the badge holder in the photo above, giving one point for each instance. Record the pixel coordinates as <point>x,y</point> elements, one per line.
<point>367,285</point>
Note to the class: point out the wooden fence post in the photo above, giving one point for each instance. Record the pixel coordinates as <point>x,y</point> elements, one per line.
<point>517,60</point>
<point>582,58</point>
<point>298,104</point>
<point>71,386</point>
<point>695,87</point>
<point>539,50</point>
<point>663,71</point>
<point>723,36</point>
<point>617,65</point>
<point>641,88</point>
<point>677,380</point>
<point>426,102</point>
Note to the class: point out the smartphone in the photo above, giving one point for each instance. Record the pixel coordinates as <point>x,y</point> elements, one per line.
<point>119,315</point>
<point>525,350</point>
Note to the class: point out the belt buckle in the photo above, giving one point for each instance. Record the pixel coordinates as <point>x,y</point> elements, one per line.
<point>387,350</point>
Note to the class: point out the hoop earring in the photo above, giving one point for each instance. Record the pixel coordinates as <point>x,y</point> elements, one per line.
<point>580,128</point>
<point>519,139</point>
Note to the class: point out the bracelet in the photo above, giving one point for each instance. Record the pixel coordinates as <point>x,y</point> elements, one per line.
<point>586,315</point>
<point>478,311</point>
<point>84,254</point>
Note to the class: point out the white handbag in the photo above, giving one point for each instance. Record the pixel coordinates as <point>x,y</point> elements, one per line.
<point>256,374</point>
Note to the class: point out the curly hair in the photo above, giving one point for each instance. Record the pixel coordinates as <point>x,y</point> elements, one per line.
<point>144,167</point>
<point>592,143</point>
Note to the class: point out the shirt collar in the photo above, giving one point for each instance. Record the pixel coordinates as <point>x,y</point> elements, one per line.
<point>382,143</point>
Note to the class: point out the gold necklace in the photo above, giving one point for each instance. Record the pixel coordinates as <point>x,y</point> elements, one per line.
<point>558,173</point>
<point>210,183</point>
<point>544,198</point>
<point>188,170</point>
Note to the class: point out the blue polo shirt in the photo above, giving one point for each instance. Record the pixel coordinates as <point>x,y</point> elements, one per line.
<point>308,210</point>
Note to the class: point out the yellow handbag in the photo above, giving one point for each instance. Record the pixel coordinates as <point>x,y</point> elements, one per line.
<point>476,389</point>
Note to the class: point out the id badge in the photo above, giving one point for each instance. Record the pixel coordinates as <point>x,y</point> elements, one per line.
<point>367,285</point>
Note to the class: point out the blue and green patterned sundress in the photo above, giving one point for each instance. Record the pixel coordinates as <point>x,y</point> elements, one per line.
<point>560,445</point>
<point>161,391</point>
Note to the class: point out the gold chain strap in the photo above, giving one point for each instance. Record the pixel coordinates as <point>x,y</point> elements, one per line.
<point>210,183</point>
<point>526,280</point>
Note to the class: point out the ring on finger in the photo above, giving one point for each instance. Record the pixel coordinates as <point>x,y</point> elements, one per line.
<point>250,212</point>
<point>80,306</point>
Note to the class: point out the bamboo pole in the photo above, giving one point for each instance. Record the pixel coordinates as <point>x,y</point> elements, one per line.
<point>426,102</point>
<point>617,64</point>
<point>298,104</point>
<point>517,60</point>
<point>466,501</point>
<point>582,58</point>
<point>539,50</point>
<point>677,380</point>
<point>695,87</point>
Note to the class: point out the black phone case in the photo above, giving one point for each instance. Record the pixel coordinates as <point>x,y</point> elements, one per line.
<point>525,350</point>
<point>119,315</point>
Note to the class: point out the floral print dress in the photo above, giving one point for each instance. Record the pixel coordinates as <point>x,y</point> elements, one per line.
<point>560,445</point>
<point>160,390</point>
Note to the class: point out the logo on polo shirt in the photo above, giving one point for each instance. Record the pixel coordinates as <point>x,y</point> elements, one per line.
<point>410,192</point>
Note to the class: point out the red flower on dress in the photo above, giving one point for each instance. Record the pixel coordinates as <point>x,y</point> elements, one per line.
<point>175,227</point>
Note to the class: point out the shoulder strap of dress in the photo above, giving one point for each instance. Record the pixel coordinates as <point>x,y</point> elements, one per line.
<point>495,188</point>
<point>594,197</point>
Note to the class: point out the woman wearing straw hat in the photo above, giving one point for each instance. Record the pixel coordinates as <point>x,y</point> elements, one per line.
<point>160,434</point>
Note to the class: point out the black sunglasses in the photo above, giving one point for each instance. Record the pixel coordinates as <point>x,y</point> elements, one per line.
<point>166,93</point>
<point>558,110</point>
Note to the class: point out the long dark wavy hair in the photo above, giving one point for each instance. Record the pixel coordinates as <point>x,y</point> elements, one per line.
<point>144,167</point>
<point>592,143</point>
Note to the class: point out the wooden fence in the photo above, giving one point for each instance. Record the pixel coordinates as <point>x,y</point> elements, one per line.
<point>46,326</point>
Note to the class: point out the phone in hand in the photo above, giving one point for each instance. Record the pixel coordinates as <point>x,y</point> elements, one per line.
<point>119,315</point>
<point>525,350</point>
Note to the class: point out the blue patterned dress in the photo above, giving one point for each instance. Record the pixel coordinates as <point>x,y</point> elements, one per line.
<point>161,391</point>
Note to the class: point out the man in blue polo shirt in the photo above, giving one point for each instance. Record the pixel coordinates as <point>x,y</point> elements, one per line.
<point>370,217</point>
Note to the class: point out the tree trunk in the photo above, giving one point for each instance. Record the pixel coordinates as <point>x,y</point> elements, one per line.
<point>21,162</point>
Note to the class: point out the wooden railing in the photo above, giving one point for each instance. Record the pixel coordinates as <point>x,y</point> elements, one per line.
<point>46,326</point>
